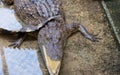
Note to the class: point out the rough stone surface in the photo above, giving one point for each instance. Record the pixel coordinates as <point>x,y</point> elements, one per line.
<point>22,61</point>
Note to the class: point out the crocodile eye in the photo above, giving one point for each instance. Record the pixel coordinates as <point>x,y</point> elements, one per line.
<point>8,2</point>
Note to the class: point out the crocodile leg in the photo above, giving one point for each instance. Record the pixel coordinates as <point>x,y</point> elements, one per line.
<point>18,42</point>
<point>74,27</point>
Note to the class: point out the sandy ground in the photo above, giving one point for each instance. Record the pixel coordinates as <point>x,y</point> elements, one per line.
<point>81,56</point>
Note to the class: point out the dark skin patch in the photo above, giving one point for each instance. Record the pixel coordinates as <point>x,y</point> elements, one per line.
<point>6,32</point>
<point>8,2</point>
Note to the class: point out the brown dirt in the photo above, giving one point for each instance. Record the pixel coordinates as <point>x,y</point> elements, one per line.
<point>81,56</point>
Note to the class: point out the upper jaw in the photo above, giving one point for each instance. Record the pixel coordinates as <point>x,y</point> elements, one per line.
<point>52,65</point>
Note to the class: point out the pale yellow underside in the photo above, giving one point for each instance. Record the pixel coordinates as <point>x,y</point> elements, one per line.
<point>52,65</point>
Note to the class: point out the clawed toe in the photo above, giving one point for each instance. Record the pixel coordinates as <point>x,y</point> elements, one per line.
<point>94,38</point>
<point>15,44</point>
<point>19,41</point>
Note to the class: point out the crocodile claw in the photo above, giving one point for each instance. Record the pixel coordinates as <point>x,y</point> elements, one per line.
<point>16,43</point>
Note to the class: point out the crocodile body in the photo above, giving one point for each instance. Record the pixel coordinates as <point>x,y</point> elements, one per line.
<point>33,12</point>
<point>52,37</point>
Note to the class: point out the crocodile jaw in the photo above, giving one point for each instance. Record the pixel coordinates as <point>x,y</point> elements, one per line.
<point>52,65</point>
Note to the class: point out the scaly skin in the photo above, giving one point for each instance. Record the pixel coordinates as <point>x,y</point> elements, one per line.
<point>52,37</point>
<point>32,12</point>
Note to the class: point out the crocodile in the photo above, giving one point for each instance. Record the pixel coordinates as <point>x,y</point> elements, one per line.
<point>53,35</point>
